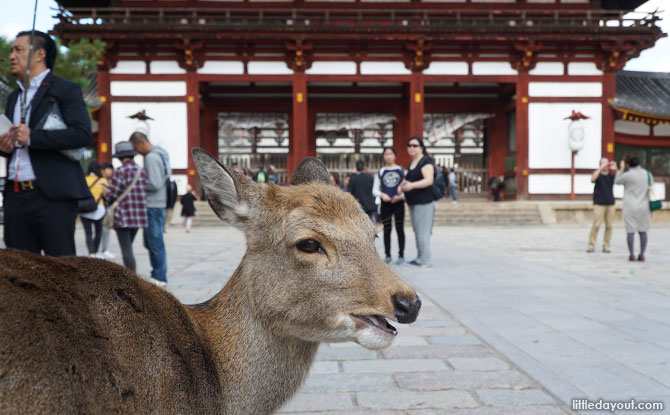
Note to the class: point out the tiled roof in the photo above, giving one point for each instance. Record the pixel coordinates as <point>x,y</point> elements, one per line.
<point>647,93</point>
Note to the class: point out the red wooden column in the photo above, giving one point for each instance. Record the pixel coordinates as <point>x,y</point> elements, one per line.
<point>497,147</point>
<point>299,146</point>
<point>104,119</point>
<point>209,128</point>
<point>522,136</point>
<point>609,92</point>
<point>414,121</point>
<point>400,136</point>
<point>193,120</point>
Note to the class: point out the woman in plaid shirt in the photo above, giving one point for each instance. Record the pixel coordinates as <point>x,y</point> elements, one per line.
<point>131,214</point>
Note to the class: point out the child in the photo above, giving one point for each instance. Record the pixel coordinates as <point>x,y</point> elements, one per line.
<point>188,207</point>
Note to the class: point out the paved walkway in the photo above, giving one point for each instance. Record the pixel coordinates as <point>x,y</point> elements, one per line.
<point>515,321</point>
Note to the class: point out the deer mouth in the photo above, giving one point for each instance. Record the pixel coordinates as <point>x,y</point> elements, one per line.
<point>376,322</point>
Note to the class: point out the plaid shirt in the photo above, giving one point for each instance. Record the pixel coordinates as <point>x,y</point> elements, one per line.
<point>132,211</point>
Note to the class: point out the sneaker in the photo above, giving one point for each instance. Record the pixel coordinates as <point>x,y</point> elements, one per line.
<point>590,250</point>
<point>387,260</point>
<point>158,282</point>
<point>108,255</point>
<point>400,261</point>
<point>413,263</point>
<point>607,250</point>
<point>640,258</point>
<point>631,258</point>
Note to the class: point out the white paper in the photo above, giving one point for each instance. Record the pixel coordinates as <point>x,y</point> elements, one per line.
<point>5,124</point>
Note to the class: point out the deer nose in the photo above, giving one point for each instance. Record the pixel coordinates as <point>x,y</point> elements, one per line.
<point>406,309</point>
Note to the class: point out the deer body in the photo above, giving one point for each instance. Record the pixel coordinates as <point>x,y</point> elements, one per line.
<point>79,335</point>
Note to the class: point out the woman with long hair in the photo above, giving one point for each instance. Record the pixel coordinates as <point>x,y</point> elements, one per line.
<point>635,211</point>
<point>386,187</point>
<point>92,221</point>
<point>419,196</point>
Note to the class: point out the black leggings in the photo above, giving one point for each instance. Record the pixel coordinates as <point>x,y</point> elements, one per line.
<point>92,243</point>
<point>126,236</point>
<point>387,211</point>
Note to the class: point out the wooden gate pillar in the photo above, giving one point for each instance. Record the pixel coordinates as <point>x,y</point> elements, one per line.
<point>299,146</point>
<point>193,120</point>
<point>104,119</point>
<point>522,136</point>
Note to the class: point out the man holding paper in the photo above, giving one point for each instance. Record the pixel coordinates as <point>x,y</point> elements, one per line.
<point>44,178</point>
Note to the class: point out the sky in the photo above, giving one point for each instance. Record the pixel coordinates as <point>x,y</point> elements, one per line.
<point>656,59</point>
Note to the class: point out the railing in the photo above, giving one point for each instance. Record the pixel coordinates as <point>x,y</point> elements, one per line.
<point>317,19</point>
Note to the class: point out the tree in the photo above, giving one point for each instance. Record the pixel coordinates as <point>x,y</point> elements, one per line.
<point>76,63</point>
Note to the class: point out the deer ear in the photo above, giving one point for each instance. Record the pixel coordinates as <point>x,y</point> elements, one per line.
<point>228,192</point>
<point>310,170</point>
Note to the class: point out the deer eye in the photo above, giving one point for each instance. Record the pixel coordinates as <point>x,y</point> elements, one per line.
<point>309,246</point>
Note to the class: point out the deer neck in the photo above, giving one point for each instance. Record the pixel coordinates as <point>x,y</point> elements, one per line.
<point>257,370</point>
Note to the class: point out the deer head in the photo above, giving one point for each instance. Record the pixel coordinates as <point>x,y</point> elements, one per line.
<point>311,253</point>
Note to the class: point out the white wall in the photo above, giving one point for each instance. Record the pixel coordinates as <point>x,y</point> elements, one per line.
<point>129,67</point>
<point>268,68</point>
<point>547,68</point>
<point>384,68</point>
<point>166,67</point>
<point>169,128</point>
<point>548,132</point>
<point>558,184</point>
<point>493,68</point>
<point>565,89</point>
<point>447,68</point>
<point>222,68</point>
<point>331,67</point>
<point>144,88</point>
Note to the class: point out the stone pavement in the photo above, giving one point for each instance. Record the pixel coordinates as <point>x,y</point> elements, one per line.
<point>515,321</point>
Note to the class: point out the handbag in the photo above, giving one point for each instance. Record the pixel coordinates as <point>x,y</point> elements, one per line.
<point>654,204</point>
<point>108,220</point>
<point>89,204</point>
<point>53,121</point>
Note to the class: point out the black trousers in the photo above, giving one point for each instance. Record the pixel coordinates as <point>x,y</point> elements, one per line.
<point>397,210</point>
<point>92,242</point>
<point>126,236</point>
<point>34,223</point>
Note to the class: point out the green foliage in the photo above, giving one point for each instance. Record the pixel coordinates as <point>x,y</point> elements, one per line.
<point>76,63</point>
<point>79,62</point>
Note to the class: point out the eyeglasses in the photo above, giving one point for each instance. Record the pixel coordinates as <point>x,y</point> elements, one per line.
<point>413,145</point>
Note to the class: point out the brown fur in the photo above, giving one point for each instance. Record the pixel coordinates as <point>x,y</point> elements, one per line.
<point>80,335</point>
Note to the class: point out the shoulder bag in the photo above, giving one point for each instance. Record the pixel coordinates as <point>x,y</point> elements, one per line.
<point>654,204</point>
<point>108,220</point>
<point>170,187</point>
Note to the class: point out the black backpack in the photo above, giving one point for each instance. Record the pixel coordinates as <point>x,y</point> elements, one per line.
<point>89,204</point>
<point>439,186</point>
<point>170,187</point>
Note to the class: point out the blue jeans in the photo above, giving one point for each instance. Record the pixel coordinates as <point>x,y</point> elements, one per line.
<point>153,241</point>
<point>453,194</point>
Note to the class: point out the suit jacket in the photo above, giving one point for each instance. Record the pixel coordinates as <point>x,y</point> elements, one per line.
<point>360,186</point>
<point>58,177</point>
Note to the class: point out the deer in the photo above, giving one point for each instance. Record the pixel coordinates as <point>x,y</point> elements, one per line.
<point>84,335</point>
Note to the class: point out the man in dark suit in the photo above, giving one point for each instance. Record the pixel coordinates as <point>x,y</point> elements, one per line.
<point>44,179</point>
<point>360,186</point>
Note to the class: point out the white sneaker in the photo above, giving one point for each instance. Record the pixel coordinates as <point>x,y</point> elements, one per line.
<point>107,255</point>
<point>158,283</point>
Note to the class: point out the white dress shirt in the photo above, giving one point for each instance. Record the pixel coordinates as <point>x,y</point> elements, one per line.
<point>21,158</point>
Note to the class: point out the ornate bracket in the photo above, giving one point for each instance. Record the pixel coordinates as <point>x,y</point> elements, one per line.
<point>524,56</point>
<point>417,57</point>
<point>615,55</point>
<point>298,55</point>
<point>191,58</point>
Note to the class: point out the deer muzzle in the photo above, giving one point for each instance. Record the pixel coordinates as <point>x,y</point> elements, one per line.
<point>406,309</point>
